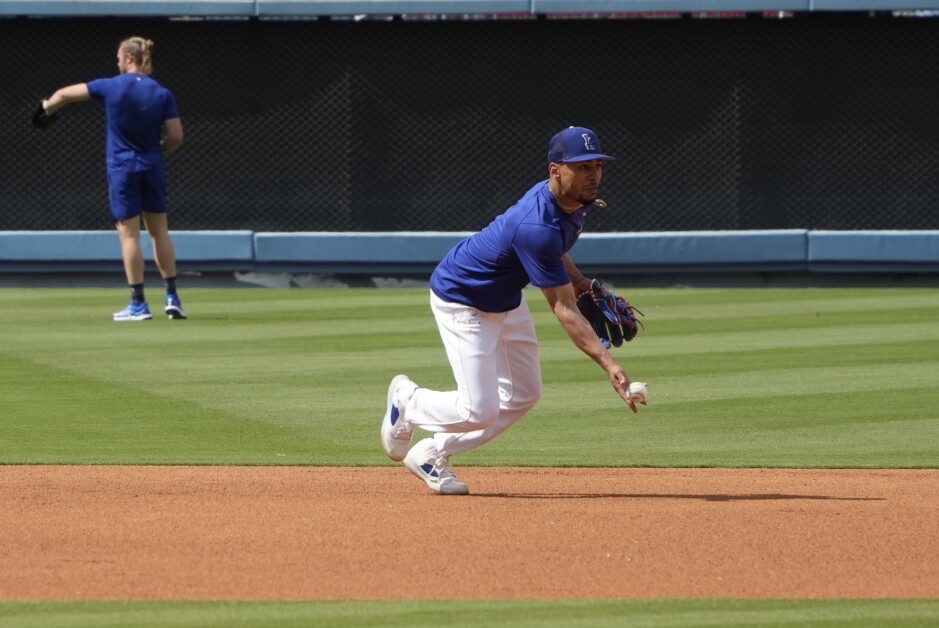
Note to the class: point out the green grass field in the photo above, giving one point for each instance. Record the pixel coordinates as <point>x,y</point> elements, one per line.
<point>738,378</point>
<point>477,614</point>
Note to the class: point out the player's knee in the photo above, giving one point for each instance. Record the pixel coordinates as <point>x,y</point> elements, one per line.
<point>525,397</point>
<point>480,415</point>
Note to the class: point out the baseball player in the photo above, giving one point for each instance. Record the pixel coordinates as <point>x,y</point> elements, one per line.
<point>486,326</point>
<point>138,111</point>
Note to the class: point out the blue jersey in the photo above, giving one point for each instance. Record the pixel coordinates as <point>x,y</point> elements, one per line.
<point>524,245</point>
<point>135,107</point>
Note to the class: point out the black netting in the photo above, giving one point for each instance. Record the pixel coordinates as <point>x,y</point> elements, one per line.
<point>816,122</point>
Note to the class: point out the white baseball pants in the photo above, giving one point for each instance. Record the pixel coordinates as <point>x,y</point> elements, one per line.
<point>495,363</point>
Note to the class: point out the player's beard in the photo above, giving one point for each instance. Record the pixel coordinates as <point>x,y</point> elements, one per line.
<point>583,199</point>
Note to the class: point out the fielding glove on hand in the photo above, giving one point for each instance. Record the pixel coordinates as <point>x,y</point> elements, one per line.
<point>612,318</point>
<point>43,120</point>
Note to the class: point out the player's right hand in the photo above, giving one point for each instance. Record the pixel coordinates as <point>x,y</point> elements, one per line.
<point>42,120</point>
<point>620,381</point>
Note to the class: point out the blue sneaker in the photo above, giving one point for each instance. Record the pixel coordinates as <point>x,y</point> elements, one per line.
<point>135,311</point>
<point>174,308</point>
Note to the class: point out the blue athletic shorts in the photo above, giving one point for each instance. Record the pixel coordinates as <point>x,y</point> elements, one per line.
<point>133,191</point>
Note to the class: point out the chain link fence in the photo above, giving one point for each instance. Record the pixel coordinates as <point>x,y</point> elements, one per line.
<point>817,122</point>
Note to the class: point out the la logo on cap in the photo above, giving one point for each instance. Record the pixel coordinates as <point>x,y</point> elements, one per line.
<point>574,144</point>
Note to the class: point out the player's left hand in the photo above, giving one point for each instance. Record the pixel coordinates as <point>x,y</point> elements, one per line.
<point>43,120</point>
<point>612,317</point>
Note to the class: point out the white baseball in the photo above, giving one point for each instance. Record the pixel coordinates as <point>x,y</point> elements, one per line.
<point>638,392</point>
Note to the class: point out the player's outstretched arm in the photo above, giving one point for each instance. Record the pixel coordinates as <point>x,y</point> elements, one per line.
<point>564,306</point>
<point>65,96</point>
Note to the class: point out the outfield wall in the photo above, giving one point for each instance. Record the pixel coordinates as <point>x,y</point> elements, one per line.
<point>300,8</point>
<point>390,253</point>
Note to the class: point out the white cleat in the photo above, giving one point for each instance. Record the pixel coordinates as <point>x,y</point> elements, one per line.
<point>426,463</point>
<point>396,432</point>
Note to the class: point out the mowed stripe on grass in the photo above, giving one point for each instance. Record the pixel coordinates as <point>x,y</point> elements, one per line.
<point>738,377</point>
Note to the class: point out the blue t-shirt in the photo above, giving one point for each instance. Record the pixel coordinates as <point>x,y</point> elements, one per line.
<point>135,106</point>
<point>524,245</point>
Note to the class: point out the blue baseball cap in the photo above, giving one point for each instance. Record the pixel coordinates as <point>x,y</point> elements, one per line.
<point>575,143</point>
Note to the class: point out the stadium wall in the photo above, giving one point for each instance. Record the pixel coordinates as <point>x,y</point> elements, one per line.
<point>294,8</point>
<point>804,145</point>
<point>793,250</point>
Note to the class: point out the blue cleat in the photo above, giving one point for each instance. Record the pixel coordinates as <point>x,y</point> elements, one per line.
<point>174,308</point>
<point>135,311</point>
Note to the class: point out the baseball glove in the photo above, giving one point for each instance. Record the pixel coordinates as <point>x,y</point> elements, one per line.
<point>43,120</point>
<point>612,318</point>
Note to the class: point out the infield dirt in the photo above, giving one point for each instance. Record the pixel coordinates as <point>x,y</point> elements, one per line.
<point>313,533</point>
